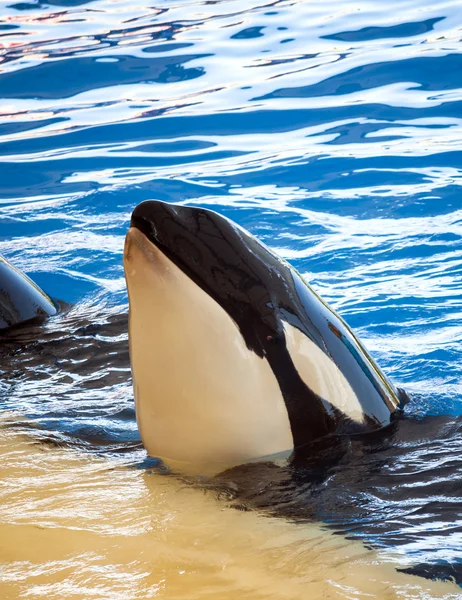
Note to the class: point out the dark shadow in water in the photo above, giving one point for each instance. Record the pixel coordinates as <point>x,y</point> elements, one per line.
<point>399,487</point>
<point>166,47</point>
<point>66,78</point>
<point>380,74</point>
<point>395,488</point>
<point>25,5</point>
<point>249,33</point>
<point>69,3</point>
<point>32,5</point>
<point>22,126</point>
<point>380,33</point>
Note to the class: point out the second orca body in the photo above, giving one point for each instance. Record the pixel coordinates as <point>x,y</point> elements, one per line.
<point>20,298</point>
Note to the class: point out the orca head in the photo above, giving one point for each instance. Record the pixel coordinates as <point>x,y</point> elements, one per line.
<point>233,355</point>
<point>202,325</point>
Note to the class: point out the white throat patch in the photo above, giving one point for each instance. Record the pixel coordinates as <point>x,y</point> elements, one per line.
<point>201,395</point>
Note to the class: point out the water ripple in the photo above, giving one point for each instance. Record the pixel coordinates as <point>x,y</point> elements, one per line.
<point>332,132</point>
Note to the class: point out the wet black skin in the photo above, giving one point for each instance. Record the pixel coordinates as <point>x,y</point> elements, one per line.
<point>20,298</point>
<point>260,291</point>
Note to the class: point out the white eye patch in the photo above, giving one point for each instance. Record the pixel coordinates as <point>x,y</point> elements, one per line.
<point>321,374</point>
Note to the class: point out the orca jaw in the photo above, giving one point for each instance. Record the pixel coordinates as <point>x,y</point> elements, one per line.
<point>201,394</point>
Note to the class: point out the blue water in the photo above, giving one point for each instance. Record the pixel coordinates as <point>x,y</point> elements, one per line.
<point>332,131</point>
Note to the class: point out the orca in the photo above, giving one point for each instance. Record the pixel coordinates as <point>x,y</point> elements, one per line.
<point>234,356</point>
<point>20,298</point>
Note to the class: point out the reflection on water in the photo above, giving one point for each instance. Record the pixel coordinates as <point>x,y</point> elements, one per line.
<point>332,132</point>
<point>77,526</point>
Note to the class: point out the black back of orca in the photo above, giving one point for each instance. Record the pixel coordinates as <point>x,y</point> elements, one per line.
<point>20,298</point>
<point>270,303</point>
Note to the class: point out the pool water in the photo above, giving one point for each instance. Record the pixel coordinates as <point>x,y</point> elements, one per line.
<point>333,133</point>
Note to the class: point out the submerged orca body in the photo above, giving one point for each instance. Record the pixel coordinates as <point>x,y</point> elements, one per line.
<point>20,298</point>
<point>233,355</point>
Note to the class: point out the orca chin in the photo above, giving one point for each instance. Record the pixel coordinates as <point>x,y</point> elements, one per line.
<point>233,355</point>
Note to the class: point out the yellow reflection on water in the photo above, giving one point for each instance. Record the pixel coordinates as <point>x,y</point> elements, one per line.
<point>76,526</point>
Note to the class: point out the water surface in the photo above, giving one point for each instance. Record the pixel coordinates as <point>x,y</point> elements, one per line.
<point>333,133</point>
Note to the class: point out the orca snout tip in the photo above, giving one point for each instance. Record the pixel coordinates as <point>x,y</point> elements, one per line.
<point>143,208</point>
<point>148,210</point>
<point>151,212</point>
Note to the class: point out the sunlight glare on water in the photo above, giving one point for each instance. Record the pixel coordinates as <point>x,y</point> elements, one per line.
<point>332,131</point>
<point>75,527</point>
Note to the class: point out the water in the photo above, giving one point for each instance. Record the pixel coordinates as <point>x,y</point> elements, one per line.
<point>332,132</point>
